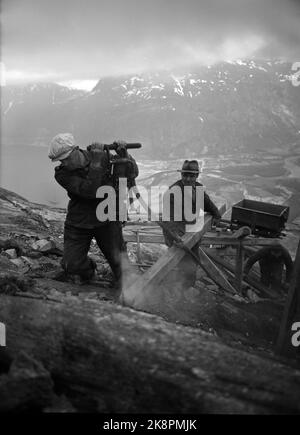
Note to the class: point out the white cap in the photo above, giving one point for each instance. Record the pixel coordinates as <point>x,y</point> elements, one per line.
<point>61,146</point>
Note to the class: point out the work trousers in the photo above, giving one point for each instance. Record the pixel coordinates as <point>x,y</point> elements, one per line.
<point>77,242</point>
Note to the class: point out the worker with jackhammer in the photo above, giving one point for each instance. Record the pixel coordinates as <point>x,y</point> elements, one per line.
<point>81,173</point>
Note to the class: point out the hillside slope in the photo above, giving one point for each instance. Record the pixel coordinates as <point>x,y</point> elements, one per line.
<point>100,356</point>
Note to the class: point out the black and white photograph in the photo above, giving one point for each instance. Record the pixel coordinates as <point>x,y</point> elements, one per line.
<point>149,210</point>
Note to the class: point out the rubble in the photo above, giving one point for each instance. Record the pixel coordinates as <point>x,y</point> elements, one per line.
<point>43,246</point>
<point>18,262</point>
<point>12,253</point>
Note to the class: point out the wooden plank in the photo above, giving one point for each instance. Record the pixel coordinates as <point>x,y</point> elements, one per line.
<point>214,272</point>
<point>144,238</point>
<point>227,240</point>
<point>134,295</point>
<point>291,310</point>
<point>204,261</point>
<point>247,279</point>
<point>132,223</point>
<point>149,237</point>
<point>239,267</point>
<point>240,234</point>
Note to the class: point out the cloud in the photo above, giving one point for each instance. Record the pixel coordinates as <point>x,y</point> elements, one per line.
<point>76,40</point>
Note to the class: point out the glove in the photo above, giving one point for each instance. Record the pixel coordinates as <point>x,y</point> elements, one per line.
<point>96,146</point>
<point>99,158</point>
<point>121,148</point>
<point>133,170</point>
<point>216,221</point>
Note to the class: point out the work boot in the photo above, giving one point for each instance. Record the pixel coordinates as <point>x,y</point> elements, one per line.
<point>60,275</point>
<point>63,276</point>
<point>88,278</point>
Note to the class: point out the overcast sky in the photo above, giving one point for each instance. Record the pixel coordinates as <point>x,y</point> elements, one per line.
<point>61,40</point>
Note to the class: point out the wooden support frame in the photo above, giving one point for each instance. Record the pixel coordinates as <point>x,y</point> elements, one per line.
<point>135,294</point>
<point>247,279</point>
<point>237,240</point>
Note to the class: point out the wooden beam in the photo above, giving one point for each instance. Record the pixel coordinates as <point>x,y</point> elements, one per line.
<point>141,223</point>
<point>291,311</point>
<point>147,237</point>
<point>239,267</point>
<point>246,278</point>
<point>144,238</point>
<point>135,294</point>
<point>214,272</point>
<point>227,240</point>
<point>239,235</point>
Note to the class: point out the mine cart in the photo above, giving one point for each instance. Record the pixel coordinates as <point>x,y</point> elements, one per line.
<point>264,219</point>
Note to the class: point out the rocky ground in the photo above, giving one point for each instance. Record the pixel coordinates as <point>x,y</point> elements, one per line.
<point>194,323</point>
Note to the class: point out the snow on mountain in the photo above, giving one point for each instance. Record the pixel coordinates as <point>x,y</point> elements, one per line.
<point>220,77</point>
<point>227,106</point>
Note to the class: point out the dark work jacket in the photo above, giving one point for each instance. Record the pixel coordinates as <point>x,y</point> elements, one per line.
<point>81,184</point>
<point>179,226</point>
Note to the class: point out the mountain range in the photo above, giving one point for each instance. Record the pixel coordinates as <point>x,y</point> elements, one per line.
<point>238,106</point>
